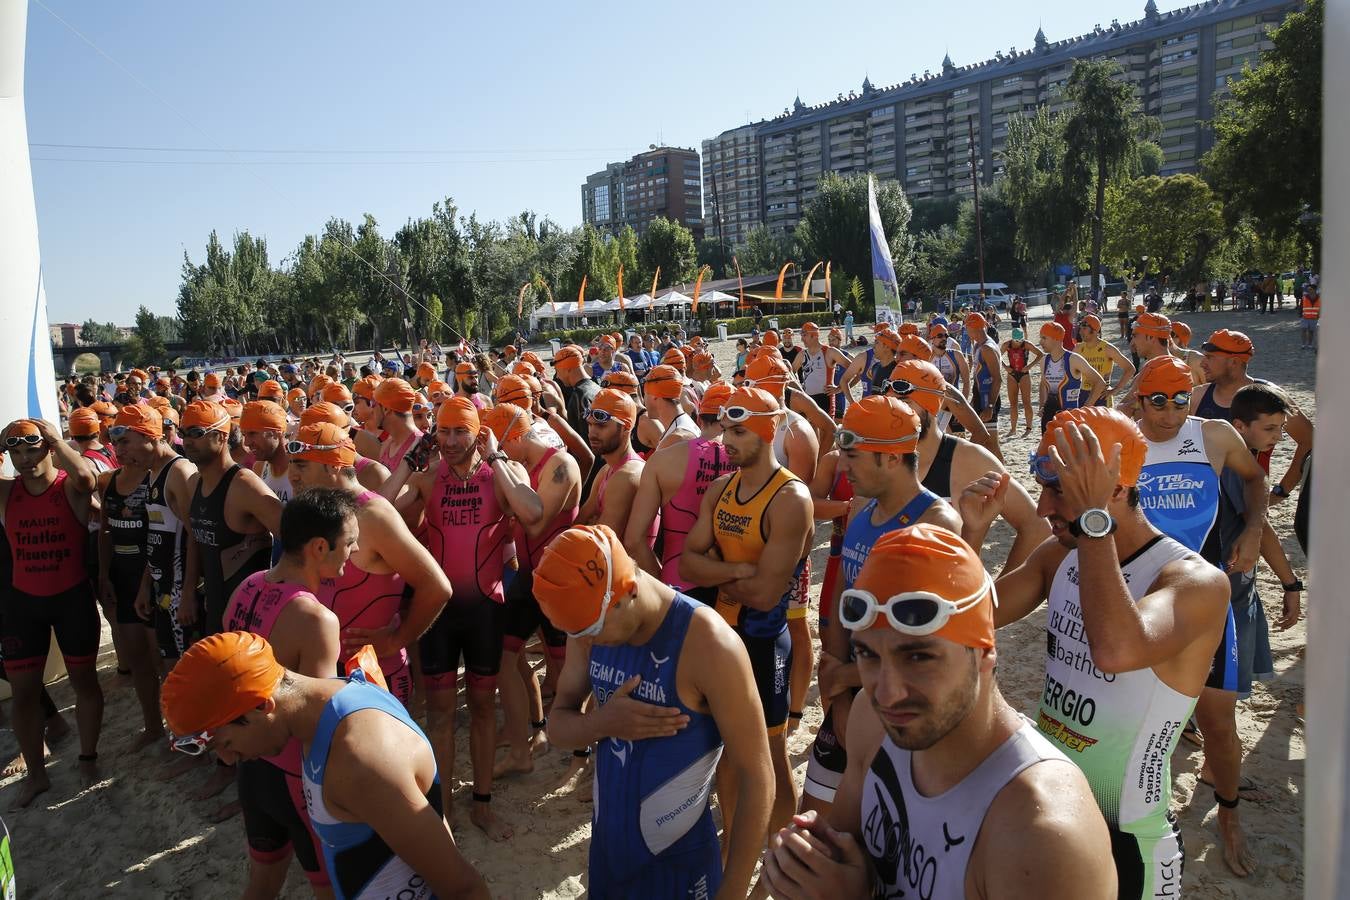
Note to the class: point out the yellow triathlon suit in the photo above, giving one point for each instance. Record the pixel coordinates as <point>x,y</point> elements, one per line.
<point>1097,357</point>
<point>738,531</point>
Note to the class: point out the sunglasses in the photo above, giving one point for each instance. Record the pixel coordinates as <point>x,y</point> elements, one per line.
<point>738,414</point>
<point>296,447</point>
<point>915,613</point>
<point>904,388</point>
<point>599,624</point>
<point>19,440</point>
<point>1159,400</point>
<point>847,440</point>
<point>191,744</point>
<point>199,431</point>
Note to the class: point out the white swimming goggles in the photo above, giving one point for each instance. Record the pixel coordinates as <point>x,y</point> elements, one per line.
<point>599,624</point>
<point>916,613</point>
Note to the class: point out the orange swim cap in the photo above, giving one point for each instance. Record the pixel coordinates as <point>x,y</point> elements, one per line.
<point>141,418</point>
<point>879,424</point>
<point>762,407</point>
<point>1092,322</point>
<point>105,409</point>
<point>532,358</point>
<point>769,373</point>
<point>438,391</point>
<point>206,414</point>
<point>513,389</point>
<point>260,415</point>
<point>889,340</point>
<point>975,320</point>
<point>295,394</point>
<point>327,444</point>
<point>465,368</point>
<point>158,402</point>
<point>916,347</point>
<point>82,422</point>
<point>1110,427</point>
<point>714,398</point>
<point>930,559</point>
<point>935,329</point>
<point>323,411</point>
<point>336,394</point>
<point>507,421</point>
<point>233,407</point>
<point>459,412</point>
<point>569,357</point>
<point>582,572</point>
<point>622,380</point>
<point>675,357</point>
<point>1181,333</point>
<point>210,381</point>
<point>271,390</point>
<point>365,387</point>
<point>1165,374</point>
<point>219,679</point>
<point>426,371</point>
<point>701,361</point>
<point>1053,330</point>
<point>770,338</point>
<point>1153,325</point>
<point>908,328</point>
<point>663,381</point>
<point>617,404</point>
<point>317,385</point>
<point>396,395</point>
<point>1234,343</point>
<point>926,378</point>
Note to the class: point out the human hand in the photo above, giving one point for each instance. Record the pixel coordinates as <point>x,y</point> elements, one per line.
<point>1087,479</point>
<point>1293,610</point>
<point>982,500</point>
<point>809,860</point>
<point>627,719</point>
<point>383,640</point>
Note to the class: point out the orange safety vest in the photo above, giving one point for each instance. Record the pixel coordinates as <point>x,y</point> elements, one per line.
<point>1312,309</point>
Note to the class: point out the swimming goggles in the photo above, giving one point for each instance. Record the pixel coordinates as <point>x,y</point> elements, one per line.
<point>847,440</point>
<point>297,447</point>
<point>903,388</point>
<point>117,432</point>
<point>1042,466</point>
<point>1159,400</point>
<point>738,414</point>
<point>599,624</point>
<point>17,440</point>
<point>600,417</point>
<point>197,431</point>
<point>916,613</point>
<point>191,744</point>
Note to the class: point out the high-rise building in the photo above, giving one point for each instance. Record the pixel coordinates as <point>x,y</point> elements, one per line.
<point>731,185</point>
<point>662,182</point>
<point>920,132</point>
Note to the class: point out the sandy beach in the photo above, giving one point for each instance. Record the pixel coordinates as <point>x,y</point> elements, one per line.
<point>129,835</point>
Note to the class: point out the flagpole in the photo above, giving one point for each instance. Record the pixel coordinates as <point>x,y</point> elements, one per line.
<point>975,183</point>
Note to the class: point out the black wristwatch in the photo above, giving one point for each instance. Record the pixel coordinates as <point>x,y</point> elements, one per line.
<point>1279,491</point>
<point>1295,585</point>
<point>1093,523</point>
<point>498,456</point>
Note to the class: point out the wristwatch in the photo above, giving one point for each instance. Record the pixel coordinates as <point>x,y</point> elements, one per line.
<point>1093,523</point>
<point>498,456</point>
<point>1279,491</point>
<point>1294,586</point>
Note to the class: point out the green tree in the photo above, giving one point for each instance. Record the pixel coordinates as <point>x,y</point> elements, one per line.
<point>834,226</point>
<point>92,332</point>
<point>931,213</point>
<point>1047,209</point>
<point>764,252</point>
<point>670,246</point>
<point>1175,222</point>
<point>1266,164</point>
<point>1100,136</point>
<point>150,337</point>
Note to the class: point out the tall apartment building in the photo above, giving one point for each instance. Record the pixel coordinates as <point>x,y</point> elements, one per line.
<point>919,132</point>
<point>731,184</point>
<point>662,182</point>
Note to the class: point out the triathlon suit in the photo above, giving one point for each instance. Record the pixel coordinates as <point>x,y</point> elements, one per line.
<point>840,405</point>
<point>281,486</point>
<point>362,599</point>
<point>51,590</point>
<point>391,456</point>
<point>1096,356</point>
<point>523,615</point>
<point>104,459</point>
<point>1119,729</point>
<point>738,530</point>
<point>227,556</point>
<point>707,462</point>
<point>813,378</point>
<point>681,421</point>
<point>800,600</point>
<point>639,360</point>
<point>1017,360</point>
<point>466,531</point>
<point>825,766</point>
<point>842,489</point>
<point>946,364</point>
<point>1064,389</point>
<point>126,522</point>
<point>920,846</point>
<point>938,478</point>
<point>165,553</point>
<point>867,372</point>
<point>652,831</point>
<point>878,376</point>
<point>1179,495</point>
<point>359,862</point>
<point>639,448</point>
<point>270,790</point>
<point>984,396</point>
<point>1209,408</point>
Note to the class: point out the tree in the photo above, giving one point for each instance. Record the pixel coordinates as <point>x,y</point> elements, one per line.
<point>931,213</point>
<point>149,336</point>
<point>93,333</point>
<point>1266,164</point>
<point>710,253</point>
<point>764,251</point>
<point>834,226</point>
<point>670,246</point>
<point>1100,136</point>
<point>948,256</point>
<point>1175,222</point>
<point>1047,209</point>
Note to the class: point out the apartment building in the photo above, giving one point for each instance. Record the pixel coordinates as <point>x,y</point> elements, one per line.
<point>662,182</point>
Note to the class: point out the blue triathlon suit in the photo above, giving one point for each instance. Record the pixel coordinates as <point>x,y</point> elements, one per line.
<point>639,360</point>
<point>861,534</point>
<point>1179,494</point>
<point>652,832</point>
<point>360,863</point>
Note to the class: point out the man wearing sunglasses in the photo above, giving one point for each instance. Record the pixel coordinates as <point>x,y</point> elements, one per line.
<point>1134,617</point>
<point>878,446</point>
<point>1179,492</point>
<point>43,512</point>
<point>609,422</point>
<point>751,539</point>
<point>674,696</point>
<point>949,792</point>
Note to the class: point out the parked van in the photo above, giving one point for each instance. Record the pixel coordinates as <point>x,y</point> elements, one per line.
<point>996,294</point>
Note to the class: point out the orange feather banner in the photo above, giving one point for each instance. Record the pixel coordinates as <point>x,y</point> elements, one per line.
<point>740,282</point>
<point>829,293</point>
<point>654,277</point>
<point>581,294</point>
<point>806,283</point>
<point>548,290</point>
<point>698,283</point>
<point>520,301</point>
<point>782,273</point>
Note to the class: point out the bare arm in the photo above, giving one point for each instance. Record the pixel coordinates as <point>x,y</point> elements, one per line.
<point>1236,456</point>
<point>1299,427</point>
<point>513,487</point>
<point>619,492</point>
<point>700,562</point>
<point>788,520</point>
<point>321,646</point>
<point>399,550</point>
<point>805,447</point>
<point>261,504</point>
<point>1022,589</point>
<point>1123,363</point>
<point>646,505</point>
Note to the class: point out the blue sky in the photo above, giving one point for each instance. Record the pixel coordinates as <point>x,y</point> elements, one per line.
<point>519,101</point>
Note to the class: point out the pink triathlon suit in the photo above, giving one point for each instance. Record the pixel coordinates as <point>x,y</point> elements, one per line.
<point>466,529</point>
<point>523,616</point>
<point>390,456</point>
<point>707,462</point>
<point>362,599</point>
<point>272,826</point>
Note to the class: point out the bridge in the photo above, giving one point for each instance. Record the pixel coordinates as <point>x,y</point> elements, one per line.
<point>110,356</point>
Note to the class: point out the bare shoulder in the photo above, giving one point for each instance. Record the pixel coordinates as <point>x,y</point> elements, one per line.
<point>1196,578</point>
<point>971,457</point>
<point>943,514</point>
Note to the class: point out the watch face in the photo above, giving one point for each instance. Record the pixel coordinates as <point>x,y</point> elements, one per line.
<point>1095,522</point>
